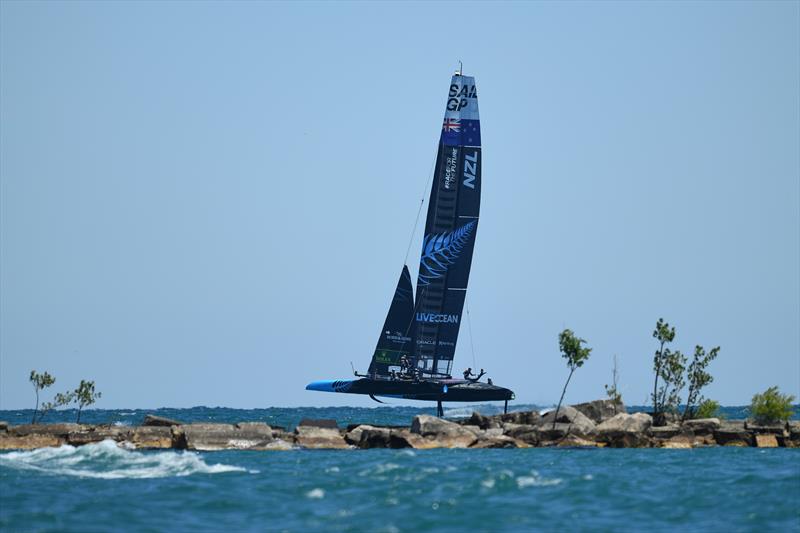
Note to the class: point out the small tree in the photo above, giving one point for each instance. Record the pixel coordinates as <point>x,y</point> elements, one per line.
<point>571,350</point>
<point>672,369</point>
<point>698,378</point>
<point>708,409</point>
<point>85,395</point>
<point>664,335</point>
<point>39,382</point>
<point>611,390</point>
<point>61,399</point>
<point>771,406</point>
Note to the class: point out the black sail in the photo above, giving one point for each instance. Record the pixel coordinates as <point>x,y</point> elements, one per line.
<point>450,231</point>
<point>397,334</point>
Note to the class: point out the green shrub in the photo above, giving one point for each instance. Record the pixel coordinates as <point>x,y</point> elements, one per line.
<point>771,406</point>
<point>708,409</point>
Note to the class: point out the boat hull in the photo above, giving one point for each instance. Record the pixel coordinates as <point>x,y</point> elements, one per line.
<point>432,390</point>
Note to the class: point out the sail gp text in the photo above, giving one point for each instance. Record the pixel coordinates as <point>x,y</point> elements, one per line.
<point>459,97</point>
<point>437,318</point>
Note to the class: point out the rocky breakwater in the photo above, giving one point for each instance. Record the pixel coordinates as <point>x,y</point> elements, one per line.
<point>593,424</point>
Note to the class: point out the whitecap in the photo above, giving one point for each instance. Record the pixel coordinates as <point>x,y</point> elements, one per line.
<point>315,494</point>
<point>488,483</point>
<point>107,460</point>
<point>535,480</point>
<point>458,412</point>
<point>332,470</point>
<point>588,477</point>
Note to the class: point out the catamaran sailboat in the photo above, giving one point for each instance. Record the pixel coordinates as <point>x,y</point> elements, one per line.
<point>414,355</point>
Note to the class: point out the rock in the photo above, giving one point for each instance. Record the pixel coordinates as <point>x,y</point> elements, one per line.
<point>3,426</point>
<point>441,433</point>
<point>524,432</point>
<point>242,436</point>
<point>153,420</point>
<point>314,437</point>
<point>733,433</point>
<point>573,441</point>
<point>626,431</point>
<point>151,437</point>
<point>381,437</point>
<point>366,436</point>
<point>99,434</point>
<point>483,422</point>
<point>599,411</point>
<point>518,417</point>
<point>676,445</point>
<point>353,434</point>
<point>278,445</point>
<point>637,422</point>
<point>580,424</point>
<point>28,442</point>
<point>667,432</point>
<point>766,440</point>
<point>326,423</point>
<point>793,429</point>
<point>703,426</point>
<point>499,441</point>
<point>56,430</point>
<point>774,429</point>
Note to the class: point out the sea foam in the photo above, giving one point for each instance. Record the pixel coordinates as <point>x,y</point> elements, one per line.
<point>106,460</point>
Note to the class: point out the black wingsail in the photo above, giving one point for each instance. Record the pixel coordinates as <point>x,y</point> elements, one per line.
<point>424,328</point>
<point>397,334</point>
<point>450,231</point>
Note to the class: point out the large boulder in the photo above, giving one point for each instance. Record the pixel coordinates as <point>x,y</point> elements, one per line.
<point>499,441</point>
<point>326,423</point>
<point>668,431</point>
<point>598,411</point>
<point>766,440</point>
<point>386,437</point>
<point>792,439</point>
<point>441,433</point>
<point>242,436</point>
<point>518,417</point>
<point>98,434</point>
<point>482,421</point>
<point>28,442</point>
<point>152,437</point>
<point>153,420</point>
<point>579,424</point>
<point>523,432</point>
<point>703,426</point>
<point>312,437</point>
<point>733,433</point>
<point>54,430</point>
<point>776,428</point>
<point>626,431</point>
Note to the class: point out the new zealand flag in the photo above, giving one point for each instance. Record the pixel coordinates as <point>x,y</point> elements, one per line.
<point>461,132</point>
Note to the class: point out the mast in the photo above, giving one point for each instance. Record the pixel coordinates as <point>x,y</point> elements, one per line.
<point>450,230</point>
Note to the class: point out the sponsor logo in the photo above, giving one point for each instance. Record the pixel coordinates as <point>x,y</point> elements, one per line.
<point>459,96</point>
<point>437,318</point>
<point>450,168</point>
<point>470,169</point>
<point>440,250</point>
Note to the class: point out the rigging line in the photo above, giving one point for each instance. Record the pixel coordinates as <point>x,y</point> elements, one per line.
<point>419,210</point>
<point>469,327</point>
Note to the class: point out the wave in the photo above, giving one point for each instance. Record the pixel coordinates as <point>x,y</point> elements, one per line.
<point>106,460</point>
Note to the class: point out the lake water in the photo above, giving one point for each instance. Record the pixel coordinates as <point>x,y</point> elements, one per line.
<point>101,487</point>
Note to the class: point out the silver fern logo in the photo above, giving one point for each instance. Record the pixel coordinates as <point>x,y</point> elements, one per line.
<point>441,250</point>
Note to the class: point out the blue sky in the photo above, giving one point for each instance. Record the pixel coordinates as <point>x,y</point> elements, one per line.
<point>209,203</point>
